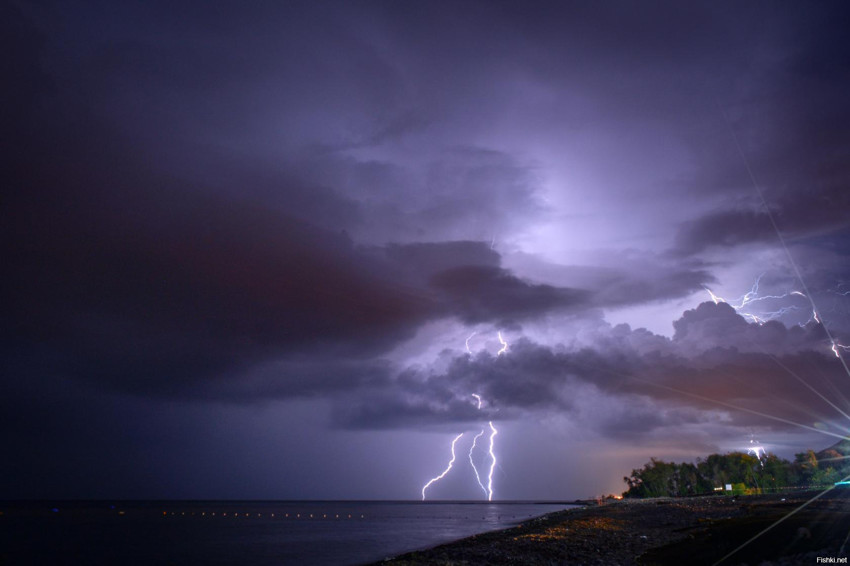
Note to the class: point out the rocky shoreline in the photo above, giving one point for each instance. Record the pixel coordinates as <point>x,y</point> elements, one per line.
<point>692,531</point>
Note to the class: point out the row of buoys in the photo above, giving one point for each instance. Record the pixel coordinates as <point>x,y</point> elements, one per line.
<point>267,515</point>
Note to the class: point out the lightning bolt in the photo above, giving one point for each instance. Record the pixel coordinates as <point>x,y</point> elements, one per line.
<point>757,450</point>
<point>492,463</point>
<point>488,491</point>
<point>752,296</point>
<point>714,297</point>
<point>504,345</point>
<point>468,351</point>
<point>474,469</point>
<point>446,471</point>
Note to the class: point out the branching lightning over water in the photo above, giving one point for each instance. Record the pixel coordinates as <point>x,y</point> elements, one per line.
<point>446,471</point>
<point>479,403</point>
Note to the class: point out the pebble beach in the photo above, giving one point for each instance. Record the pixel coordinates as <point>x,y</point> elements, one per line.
<point>789,528</point>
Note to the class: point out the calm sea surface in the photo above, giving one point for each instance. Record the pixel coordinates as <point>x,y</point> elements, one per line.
<point>251,532</point>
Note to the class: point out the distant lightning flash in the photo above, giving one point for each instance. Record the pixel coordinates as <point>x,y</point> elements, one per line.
<point>757,450</point>
<point>781,239</point>
<point>752,296</point>
<point>449,467</point>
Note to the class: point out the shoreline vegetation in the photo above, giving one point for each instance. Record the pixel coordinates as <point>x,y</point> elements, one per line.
<point>736,508</point>
<point>697,530</point>
<point>742,473</point>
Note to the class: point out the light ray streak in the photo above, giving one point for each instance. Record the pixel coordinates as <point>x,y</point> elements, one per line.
<point>781,238</point>
<point>804,382</point>
<point>839,458</point>
<point>449,467</point>
<point>474,468</point>
<point>492,464</point>
<point>751,411</point>
<point>504,345</point>
<point>843,544</point>
<point>812,500</point>
<point>725,404</point>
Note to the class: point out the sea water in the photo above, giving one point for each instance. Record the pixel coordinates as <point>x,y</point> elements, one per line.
<point>251,532</point>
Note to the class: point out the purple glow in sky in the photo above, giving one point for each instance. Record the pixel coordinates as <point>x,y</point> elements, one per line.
<point>268,251</point>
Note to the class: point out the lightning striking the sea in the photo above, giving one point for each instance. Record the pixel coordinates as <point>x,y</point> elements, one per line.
<point>446,471</point>
<point>474,468</point>
<point>492,463</point>
<point>479,403</point>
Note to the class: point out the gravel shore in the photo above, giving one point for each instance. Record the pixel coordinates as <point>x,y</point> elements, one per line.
<point>688,531</point>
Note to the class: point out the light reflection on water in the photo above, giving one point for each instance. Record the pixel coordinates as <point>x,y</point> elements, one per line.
<point>260,533</point>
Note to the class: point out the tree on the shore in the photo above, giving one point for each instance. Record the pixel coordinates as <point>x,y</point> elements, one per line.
<point>746,472</point>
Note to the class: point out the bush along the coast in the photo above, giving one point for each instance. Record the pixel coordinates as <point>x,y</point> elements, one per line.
<point>746,473</point>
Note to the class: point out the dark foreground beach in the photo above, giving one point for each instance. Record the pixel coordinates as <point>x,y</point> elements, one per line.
<point>686,531</point>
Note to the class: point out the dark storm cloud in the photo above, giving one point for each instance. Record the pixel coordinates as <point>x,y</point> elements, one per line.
<point>208,201</point>
<point>476,294</point>
<point>157,269</point>
<point>790,129</point>
<point>162,289</point>
<point>716,361</point>
<point>798,217</point>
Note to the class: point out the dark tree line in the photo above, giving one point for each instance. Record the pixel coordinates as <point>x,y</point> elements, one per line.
<point>745,472</point>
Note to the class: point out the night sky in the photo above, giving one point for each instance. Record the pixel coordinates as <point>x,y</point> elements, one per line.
<point>245,247</point>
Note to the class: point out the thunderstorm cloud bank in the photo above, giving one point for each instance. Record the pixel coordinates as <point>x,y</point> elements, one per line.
<point>272,232</point>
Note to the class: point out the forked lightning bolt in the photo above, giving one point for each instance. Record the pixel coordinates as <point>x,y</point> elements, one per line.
<point>488,490</point>
<point>752,296</point>
<point>449,467</point>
